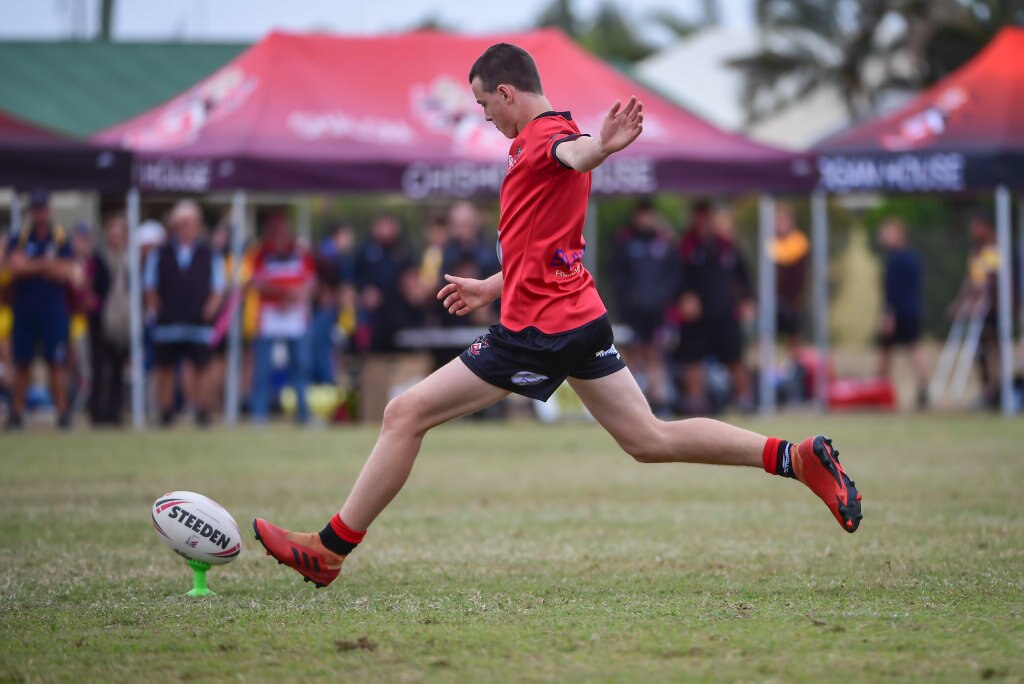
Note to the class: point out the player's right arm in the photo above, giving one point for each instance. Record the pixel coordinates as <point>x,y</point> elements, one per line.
<point>462,296</point>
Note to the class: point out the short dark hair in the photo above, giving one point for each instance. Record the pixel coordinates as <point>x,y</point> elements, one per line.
<point>508,64</point>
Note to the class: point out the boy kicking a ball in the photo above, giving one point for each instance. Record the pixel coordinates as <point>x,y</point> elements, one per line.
<point>553,327</point>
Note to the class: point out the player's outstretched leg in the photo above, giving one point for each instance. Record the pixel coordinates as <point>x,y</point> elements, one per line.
<point>449,392</point>
<point>620,407</point>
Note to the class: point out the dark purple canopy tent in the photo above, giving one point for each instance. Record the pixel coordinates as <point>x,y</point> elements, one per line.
<point>34,157</point>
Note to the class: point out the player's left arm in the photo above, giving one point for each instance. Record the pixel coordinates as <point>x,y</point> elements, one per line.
<point>621,126</point>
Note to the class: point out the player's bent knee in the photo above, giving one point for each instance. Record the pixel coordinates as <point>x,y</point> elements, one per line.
<point>399,415</point>
<point>402,414</point>
<point>645,445</point>
<point>643,454</point>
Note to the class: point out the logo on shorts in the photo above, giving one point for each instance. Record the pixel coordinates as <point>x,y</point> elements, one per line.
<point>478,345</point>
<point>610,351</point>
<point>528,378</point>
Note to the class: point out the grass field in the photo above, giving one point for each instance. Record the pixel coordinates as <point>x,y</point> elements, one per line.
<point>519,553</point>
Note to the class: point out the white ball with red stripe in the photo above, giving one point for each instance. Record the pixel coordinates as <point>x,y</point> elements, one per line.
<point>197,527</point>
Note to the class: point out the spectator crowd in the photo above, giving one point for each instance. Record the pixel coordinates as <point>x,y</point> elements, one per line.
<point>323,315</point>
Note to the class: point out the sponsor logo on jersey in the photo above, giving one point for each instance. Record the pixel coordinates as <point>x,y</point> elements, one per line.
<point>610,351</point>
<point>566,264</point>
<point>528,378</point>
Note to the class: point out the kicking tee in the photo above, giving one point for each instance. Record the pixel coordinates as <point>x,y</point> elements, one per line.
<point>540,233</point>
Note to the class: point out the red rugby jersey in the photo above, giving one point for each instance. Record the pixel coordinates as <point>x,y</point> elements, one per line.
<point>540,233</point>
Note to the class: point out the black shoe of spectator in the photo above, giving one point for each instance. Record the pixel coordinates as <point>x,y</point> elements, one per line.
<point>166,418</point>
<point>64,421</point>
<point>203,419</point>
<point>922,398</point>
<point>14,423</point>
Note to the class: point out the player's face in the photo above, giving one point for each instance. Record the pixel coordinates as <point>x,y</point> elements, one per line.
<point>497,107</point>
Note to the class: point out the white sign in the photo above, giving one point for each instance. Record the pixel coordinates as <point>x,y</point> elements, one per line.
<point>174,175</point>
<point>464,179</point>
<point>904,173</point>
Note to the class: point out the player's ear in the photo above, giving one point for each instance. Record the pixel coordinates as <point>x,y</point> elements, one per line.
<point>506,93</point>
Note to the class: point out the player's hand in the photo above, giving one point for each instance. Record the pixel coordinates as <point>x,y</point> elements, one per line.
<point>463,296</point>
<point>621,125</point>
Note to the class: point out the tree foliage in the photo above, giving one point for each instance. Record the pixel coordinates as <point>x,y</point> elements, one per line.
<point>864,47</point>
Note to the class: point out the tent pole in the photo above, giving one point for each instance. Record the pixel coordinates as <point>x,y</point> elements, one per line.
<point>819,243</point>
<point>15,212</point>
<point>590,239</point>
<point>305,216</point>
<point>766,302</point>
<point>135,312</point>
<point>231,387</point>
<point>1005,315</point>
<point>1020,254</point>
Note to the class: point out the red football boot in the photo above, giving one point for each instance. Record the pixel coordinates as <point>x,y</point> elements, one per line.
<point>307,562</point>
<point>816,464</point>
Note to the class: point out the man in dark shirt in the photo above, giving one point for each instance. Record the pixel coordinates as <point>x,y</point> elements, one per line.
<point>645,273</point>
<point>901,319</point>
<point>185,283</point>
<point>379,262</point>
<point>708,305</point>
<point>41,269</point>
<point>466,241</point>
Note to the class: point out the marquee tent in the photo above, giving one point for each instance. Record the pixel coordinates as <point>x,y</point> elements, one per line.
<point>35,157</point>
<point>395,113</point>
<point>965,133</point>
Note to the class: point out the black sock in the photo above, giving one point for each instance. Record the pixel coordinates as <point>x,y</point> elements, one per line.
<point>339,537</point>
<point>784,460</point>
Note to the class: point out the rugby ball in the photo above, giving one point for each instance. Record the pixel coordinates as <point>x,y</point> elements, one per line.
<point>197,527</point>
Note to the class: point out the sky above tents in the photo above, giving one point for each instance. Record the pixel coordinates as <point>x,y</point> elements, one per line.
<point>248,20</point>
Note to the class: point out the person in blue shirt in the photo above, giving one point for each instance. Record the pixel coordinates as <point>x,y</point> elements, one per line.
<point>185,283</point>
<point>41,267</point>
<point>904,307</point>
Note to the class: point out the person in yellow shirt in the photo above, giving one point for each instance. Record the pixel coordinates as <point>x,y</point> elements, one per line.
<point>978,294</point>
<point>6,320</point>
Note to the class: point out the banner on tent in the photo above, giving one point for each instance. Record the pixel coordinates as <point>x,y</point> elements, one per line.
<point>183,175</point>
<point>464,179</point>
<point>920,172</point>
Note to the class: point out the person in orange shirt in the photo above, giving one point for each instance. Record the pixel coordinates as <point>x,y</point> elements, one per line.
<point>790,251</point>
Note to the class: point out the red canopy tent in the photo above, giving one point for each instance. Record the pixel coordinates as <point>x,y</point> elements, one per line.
<point>966,132</point>
<point>395,113</point>
<point>35,157</point>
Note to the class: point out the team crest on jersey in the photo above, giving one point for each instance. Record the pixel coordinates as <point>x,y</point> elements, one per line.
<point>512,160</point>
